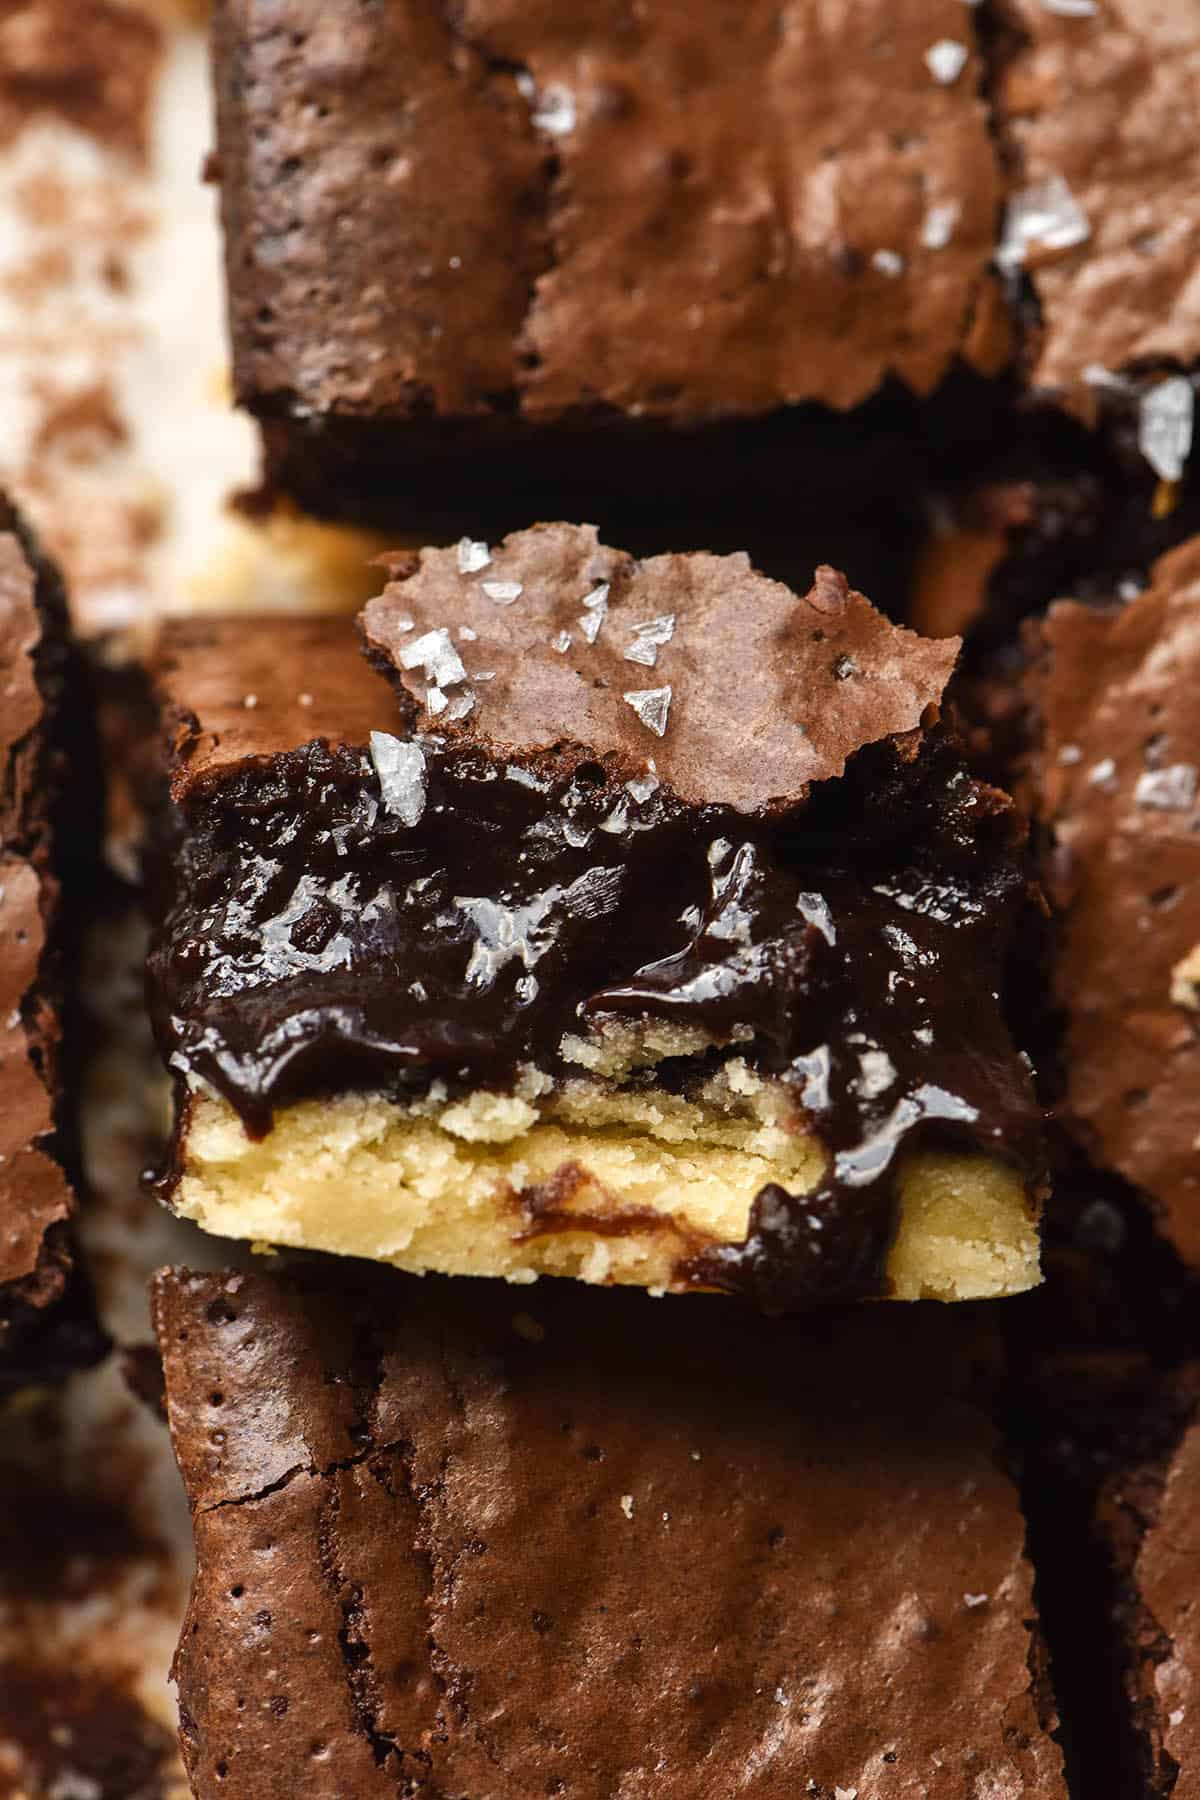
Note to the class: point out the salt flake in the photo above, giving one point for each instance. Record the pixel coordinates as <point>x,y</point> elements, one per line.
<point>814,910</point>
<point>1166,419</point>
<point>555,111</point>
<point>946,60</point>
<point>627,1505</point>
<point>1167,790</point>
<point>435,700</point>
<point>562,642</point>
<point>436,657</point>
<point>888,262</point>
<point>473,555</point>
<point>651,706</point>
<point>502,592</point>
<point>937,227</point>
<point>1072,9</point>
<point>400,767</point>
<point>1044,217</point>
<point>649,638</point>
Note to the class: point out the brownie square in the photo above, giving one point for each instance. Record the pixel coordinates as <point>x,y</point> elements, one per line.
<point>49,821</point>
<point>474,231</point>
<point>1098,104</point>
<point>1116,783</point>
<point>457,1540</point>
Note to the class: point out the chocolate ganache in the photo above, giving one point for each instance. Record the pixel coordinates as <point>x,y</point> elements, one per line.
<point>386,915</point>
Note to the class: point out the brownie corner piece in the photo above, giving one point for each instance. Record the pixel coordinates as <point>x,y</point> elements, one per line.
<point>49,821</point>
<point>812,1580</point>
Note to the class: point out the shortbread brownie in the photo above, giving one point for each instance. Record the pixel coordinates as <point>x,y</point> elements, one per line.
<point>455,1540</point>
<point>466,231</point>
<point>1116,779</point>
<point>643,925</point>
<point>49,820</point>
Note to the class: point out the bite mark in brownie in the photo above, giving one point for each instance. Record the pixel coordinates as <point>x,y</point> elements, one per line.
<point>478,1543</point>
<point>675,956</point>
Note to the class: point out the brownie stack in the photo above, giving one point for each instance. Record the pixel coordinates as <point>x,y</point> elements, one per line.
<point>616,986</point>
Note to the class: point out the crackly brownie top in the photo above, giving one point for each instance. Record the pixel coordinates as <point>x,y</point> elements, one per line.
<point>1101,102</point>
<point>451,1534</point>
<point>34,1197</point>
<point>677,210</point>
<point>733,689</point>
<point>1119,776</point>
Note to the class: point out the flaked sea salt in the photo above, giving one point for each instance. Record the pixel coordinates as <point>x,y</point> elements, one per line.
<point>467,636</point>
<point>502,592</point>
<point>1166,421</point>
<point>642,786</point>
<point>888,262</point>
<point>652,705</point>
<point>554,110</point>
<point>400,767</point>
<point>946,60</point>
<point>814,910</point>
<point>937,227</point>
<point>436,657</point>
<point>1046,216</point>
<point>596,604</point>
<point>435,700</point>
<point>649,638</point>
<point>562,642</point>
<point>1168,790</point>
<point>1072,9</point>
<point>473,555</point>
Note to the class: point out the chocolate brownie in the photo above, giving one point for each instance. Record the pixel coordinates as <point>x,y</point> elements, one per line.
<point>48,823</point>
<point>476,1542</point>
<point>1116,784</point>
<point>1148,1530</point>
<point>1097,100</point>
<point>643,925</point>
<point>464,230</point>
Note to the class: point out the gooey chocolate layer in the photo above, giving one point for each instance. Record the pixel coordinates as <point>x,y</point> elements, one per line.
<point>402,913</point>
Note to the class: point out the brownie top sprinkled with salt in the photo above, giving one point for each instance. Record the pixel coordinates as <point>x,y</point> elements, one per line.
<point>1120,786</point>
<point>727,686</point>
<point>1101,106</point>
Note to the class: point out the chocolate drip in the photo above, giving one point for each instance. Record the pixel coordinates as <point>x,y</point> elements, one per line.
<point>322,937</point>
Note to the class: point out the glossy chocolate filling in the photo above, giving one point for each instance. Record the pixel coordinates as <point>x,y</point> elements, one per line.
<point>313,941</point>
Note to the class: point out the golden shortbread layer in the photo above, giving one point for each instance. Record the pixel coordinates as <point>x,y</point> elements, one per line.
<point>603,1183</point>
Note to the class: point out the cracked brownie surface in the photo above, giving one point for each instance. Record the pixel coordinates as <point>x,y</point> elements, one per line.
<point>457,1540</point>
